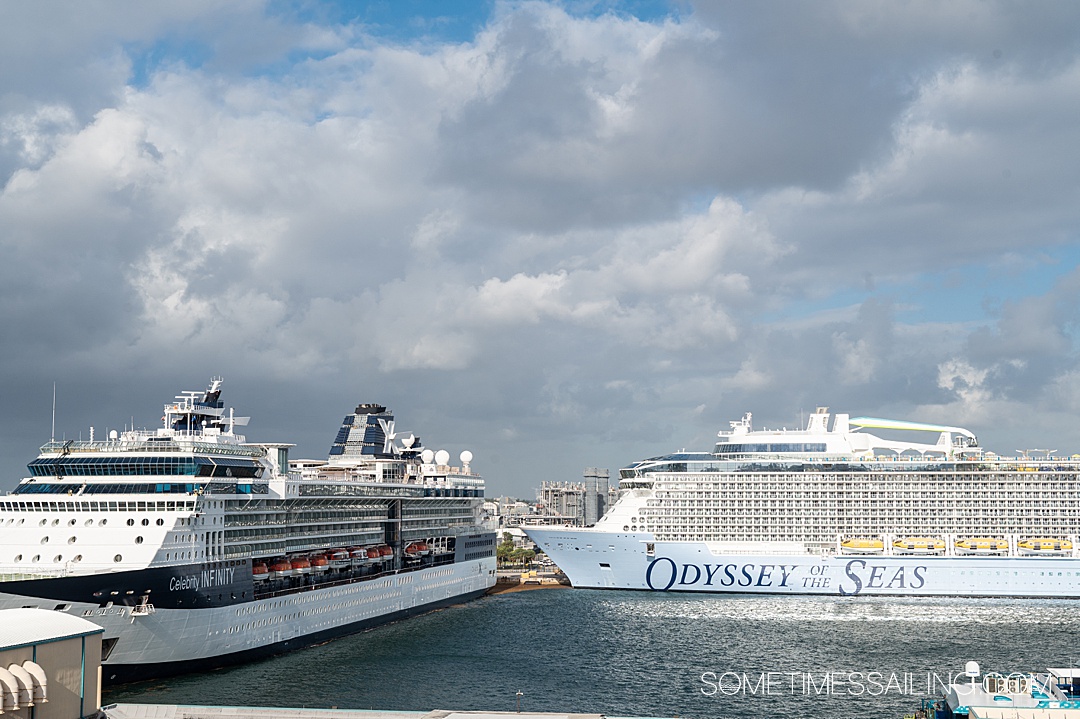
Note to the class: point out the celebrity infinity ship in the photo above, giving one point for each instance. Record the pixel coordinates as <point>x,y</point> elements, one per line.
<point>194,548</point>
<point>835,511</point>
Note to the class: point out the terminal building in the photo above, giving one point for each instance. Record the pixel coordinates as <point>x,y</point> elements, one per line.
<point>50,665</point>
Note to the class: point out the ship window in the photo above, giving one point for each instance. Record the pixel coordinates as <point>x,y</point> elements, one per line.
<point>103,522</point>
<point>118,558</point>
<point>89,522</point>
<point>71,540</point>
<point>43,522</point>
<point>71,522</point>
<point>18,557</point>
<point>57,558</point>
<point>160,522</point>
<point>145,522</point>
<point>44,540</point>
<point>131,523</point>
<point>37,558</point>
<point>77,558</point>
<point>138,540</point>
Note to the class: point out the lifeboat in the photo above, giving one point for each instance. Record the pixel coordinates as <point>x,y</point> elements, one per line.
<point>386,551</point>
<point>919,545</point>
<point>982,545</point>
<point>259,571</point>
<point>281,568</point>
<point>360,556</point>
<point>319,563</point>
<point>339,559</point>
<point>300,565</point>
<point>417,549</point>
<point>1045,546</point>
<point>862,546</point>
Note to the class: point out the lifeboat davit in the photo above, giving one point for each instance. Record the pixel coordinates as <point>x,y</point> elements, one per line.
<point>259,571</point>
<point>862,546</point>
<point>1045,546</point>
<point>300,565</point>
<point>919,545</point>
<point>982,545</point>
<point>281,568</point>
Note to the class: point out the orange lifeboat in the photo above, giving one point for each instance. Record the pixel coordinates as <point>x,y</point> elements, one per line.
<point>259,571</point>
<point>386,552</point>
<point>359,555</point>
<point>301,565</point>
<point>417,549</point>
<point>281,568</point>
<point>339,559</point>
<point>374,555</point>
<point>319,563</point>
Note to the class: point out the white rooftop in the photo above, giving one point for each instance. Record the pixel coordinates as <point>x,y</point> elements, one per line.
<point>20,627</point>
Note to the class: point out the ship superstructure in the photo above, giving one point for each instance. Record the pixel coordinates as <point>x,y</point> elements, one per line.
<point>194,548</point>
<point>835,510</point>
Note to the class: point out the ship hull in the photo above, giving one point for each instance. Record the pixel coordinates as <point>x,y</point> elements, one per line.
<point>610,560</point>
<point>176,639</point>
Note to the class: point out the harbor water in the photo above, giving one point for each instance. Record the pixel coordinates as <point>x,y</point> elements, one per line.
<point>652,654</point>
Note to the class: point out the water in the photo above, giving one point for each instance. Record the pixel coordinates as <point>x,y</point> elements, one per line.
<point>644,654</point>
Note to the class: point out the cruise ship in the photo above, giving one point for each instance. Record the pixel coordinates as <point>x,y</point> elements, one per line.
<point>835,510</point>
<point>194,548</point>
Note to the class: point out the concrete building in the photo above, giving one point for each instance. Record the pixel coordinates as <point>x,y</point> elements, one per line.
<point>596,494</point>
<point>50,665</point>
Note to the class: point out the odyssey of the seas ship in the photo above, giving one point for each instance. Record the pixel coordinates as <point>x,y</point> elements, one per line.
<point>834,511</point>
<point>194,548</point>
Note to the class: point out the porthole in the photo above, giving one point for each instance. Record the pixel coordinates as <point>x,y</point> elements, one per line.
<point>146,523</point>
<point>37,558</point>
<point>103,522</point>
<point>58,557</point>
<point>44,540</point>
<point>21,521</point>
<point>89,523</point>
<point>626,528</point>
<point>18,557</point>
<point>138,540</point>
<point>77,558</point>
<point>43,522</point>
<point>131,522</point>
<point>160,521</point>
<point>55,522</point>
<point>71,522</point>
<point>118,558</point>
<point>71,540</point>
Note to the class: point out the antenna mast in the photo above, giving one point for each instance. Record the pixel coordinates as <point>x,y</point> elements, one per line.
<point>52,436</point>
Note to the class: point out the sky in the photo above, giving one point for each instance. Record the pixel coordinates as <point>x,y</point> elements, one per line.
<point>558,235</point>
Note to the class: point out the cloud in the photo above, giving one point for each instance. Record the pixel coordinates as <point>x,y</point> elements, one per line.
<point>580,237</point>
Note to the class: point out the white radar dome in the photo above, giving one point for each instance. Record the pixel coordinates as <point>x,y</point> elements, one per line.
<point>428,456</point>
<point>465,457</point>
<point>408,440</point>
<point>442,457</point>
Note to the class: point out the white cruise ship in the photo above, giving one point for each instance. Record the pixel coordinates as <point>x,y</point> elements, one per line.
<point>194,548</point>
<point>835,510</point>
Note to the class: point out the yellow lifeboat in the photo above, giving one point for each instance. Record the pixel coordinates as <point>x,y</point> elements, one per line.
<point>862,546</point>
<point>918,545</point>
<point>1045,546</point>
<point>981,545</point>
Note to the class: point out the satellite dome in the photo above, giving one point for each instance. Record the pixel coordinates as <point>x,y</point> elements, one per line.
<point>428,456</point>
<point>408,440</point>
<point>465,457</point>
<point>442,457</point>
